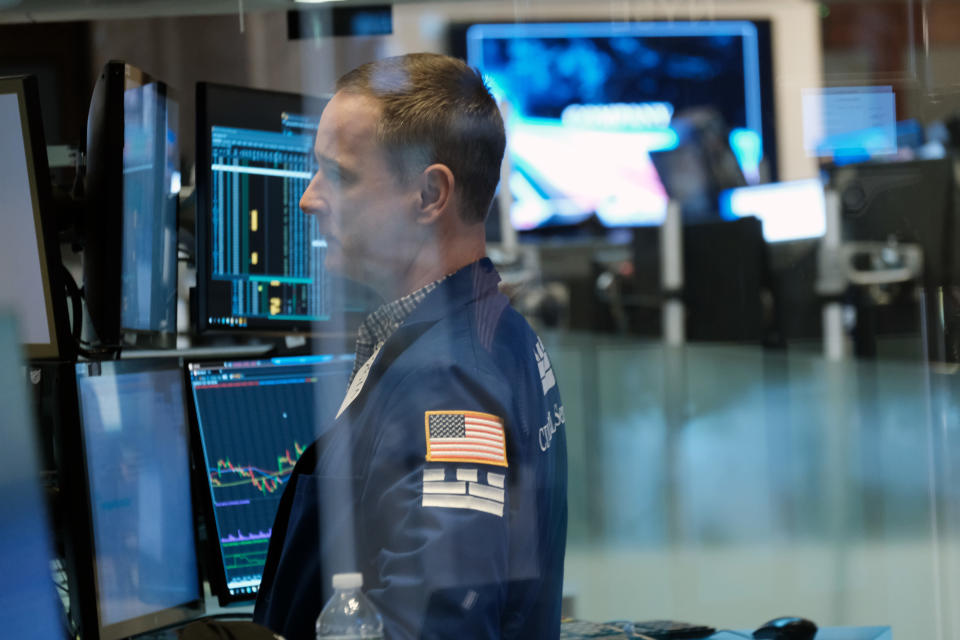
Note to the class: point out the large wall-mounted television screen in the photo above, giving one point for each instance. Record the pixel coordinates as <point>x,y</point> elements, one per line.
<point>586,103</point>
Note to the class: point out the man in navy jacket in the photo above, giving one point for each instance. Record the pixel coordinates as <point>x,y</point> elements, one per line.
<point>443,477</point>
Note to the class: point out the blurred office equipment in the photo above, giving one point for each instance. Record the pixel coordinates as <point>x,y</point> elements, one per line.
<point>788,211</point>
<point>850,124</point>
<point>130,227</point>
<point>126,479</point>
<point>29,607</point>
<point>726,272</point>
<point>32,285</point>
<point>900,231</point>
<point>903,203</point>
<point>253,419</point>
<point>724,285</point>
<point>589,102</point>
<point>700,166</point>
<point>260,259</point>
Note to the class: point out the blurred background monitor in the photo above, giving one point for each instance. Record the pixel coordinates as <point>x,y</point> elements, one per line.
<point>133,523</point>
<point>132,186</point>
<point>586,103</point>
<point>29,607</point>
<point>789,211</point>
<point>260,259</point>
<point>253,420</point>
<point>903,202</point>
<point>29,252</point>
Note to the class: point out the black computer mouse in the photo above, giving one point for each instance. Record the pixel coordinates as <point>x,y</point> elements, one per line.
<point>787,628</point>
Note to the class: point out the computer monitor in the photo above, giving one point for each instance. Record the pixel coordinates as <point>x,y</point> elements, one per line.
<point>32,286</point>
<point>260,259</point>
<point>136,493</point>
<point>586,103</point>
<point>905,202</point>
<point>132,187</point>
<point>789,211</point>
<point>29,607</point>
<point>253,420</point>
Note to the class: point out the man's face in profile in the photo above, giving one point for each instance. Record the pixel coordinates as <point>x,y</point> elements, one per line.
<point>364,210</point>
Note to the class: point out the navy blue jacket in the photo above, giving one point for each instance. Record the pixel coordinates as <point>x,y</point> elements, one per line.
<point>444,482</point>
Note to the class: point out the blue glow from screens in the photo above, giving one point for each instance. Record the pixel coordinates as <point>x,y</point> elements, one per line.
<point>748,148</point>
<point>586,103</point>
<point>150,160</point>
<point>28,604</point>
<point>788,210</point>
<point>135,439</point>
<point>850,123</point>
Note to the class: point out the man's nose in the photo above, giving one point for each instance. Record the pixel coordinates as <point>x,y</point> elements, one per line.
<point>313,201</point>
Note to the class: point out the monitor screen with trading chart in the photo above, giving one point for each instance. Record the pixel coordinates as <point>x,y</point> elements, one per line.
<point>136,455</point>
<point>254,419</point>
<point>260,259</point>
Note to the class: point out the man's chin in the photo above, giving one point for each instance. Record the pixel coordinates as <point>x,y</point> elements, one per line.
<point>339,267</point>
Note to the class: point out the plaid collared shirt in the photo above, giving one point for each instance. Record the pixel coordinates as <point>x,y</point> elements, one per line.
<point>380,325</point>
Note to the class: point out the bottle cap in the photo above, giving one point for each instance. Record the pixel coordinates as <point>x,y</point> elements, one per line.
<point>347,580</point>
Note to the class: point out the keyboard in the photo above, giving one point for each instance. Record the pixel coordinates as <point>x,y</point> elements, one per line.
<point>666,629</point>
<point>623,630</point>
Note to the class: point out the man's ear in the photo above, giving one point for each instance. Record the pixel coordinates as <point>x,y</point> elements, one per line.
<point>436,193</point>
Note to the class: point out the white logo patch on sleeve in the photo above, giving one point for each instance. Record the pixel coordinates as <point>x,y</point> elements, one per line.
<point>547,378</point>
<point>464,490</point>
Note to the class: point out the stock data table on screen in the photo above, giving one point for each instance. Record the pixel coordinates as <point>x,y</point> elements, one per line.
<point>255,418</point>
<point>266,255</point>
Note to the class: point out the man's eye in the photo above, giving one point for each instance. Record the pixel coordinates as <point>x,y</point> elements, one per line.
<point>331,172</point>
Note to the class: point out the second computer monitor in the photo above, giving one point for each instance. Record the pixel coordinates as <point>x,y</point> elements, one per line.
<point>29,253</point>
<point>132,187</point>
<point>29,607</point>
<point>136,462</point>
<point>260,259</point>
<point>254,419</point>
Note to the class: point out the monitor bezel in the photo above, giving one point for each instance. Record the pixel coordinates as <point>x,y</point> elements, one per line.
<point>61,345</point>
<point>343,321</point>
<point>83,519</point>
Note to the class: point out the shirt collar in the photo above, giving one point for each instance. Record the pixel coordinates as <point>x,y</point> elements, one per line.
<point>472,282</point>
<point>380,325</point>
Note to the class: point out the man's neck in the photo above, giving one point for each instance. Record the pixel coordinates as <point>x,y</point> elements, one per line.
<point>432,264</point>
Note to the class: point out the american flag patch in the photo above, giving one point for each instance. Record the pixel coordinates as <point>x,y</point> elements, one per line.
<point>465,436</point>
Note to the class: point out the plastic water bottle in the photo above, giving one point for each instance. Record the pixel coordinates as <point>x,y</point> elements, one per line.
<point>349,615</point>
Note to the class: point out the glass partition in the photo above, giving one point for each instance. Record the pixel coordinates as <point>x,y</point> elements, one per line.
<point>689,351</point>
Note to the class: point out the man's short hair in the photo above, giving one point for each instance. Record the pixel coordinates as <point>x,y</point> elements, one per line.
<point>436,109</point>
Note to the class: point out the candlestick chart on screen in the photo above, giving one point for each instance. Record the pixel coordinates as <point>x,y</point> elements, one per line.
<point>255,420</point>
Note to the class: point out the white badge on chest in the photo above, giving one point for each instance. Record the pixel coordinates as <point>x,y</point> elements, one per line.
<point>356,386</point>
